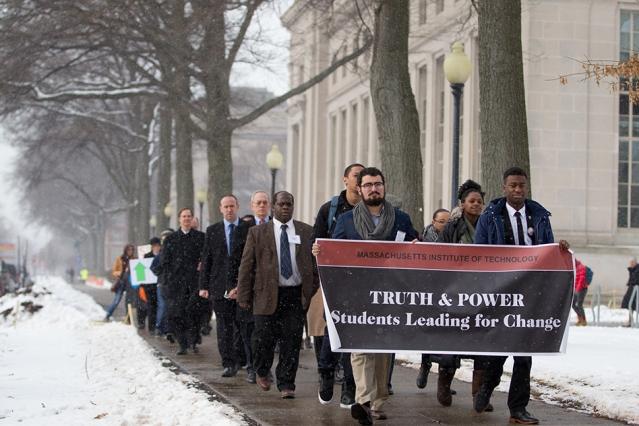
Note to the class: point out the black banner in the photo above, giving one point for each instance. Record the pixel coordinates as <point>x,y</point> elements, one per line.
<point>446,298</point>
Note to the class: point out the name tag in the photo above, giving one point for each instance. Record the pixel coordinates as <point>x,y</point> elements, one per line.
<point>295,239</point>
<point>401,235</point>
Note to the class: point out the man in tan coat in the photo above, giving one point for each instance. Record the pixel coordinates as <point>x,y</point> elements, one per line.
<point>278,278</point>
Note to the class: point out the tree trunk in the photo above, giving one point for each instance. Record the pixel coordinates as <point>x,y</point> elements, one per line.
<point>395,108</point>
<point>218,98</point>
<point>220,177</point>
<point>163,190</point>
<point>504,131</point>
<point>144,197</point>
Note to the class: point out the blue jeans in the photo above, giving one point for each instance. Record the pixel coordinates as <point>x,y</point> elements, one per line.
<point>160,315</point>
<point>116,302</point>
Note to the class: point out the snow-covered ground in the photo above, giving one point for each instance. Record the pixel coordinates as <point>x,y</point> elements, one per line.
<point>61,366</point>
<point>598,374</point>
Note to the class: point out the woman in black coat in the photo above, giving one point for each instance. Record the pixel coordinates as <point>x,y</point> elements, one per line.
<point>460,229</point>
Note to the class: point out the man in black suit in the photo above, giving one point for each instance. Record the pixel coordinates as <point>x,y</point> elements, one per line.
<point>179,264</point>
<point>215,282</point>
<point>260,206</point>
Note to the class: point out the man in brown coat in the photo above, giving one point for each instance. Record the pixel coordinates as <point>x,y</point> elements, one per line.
<point>278,278</point>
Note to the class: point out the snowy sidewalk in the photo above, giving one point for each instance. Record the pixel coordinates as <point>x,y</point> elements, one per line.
<point>62,366</point>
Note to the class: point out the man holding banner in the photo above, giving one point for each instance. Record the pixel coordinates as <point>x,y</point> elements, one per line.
<point>513,220</point>
<point>373,218</point>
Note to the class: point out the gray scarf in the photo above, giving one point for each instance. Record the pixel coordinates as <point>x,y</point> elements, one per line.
<point>365,226</point>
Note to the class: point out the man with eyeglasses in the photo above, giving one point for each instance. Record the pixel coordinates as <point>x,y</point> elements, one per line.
<point>373,218</point>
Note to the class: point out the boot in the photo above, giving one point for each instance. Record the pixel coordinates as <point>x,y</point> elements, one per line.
<point>581,320</point>
<point>422,376</point>
<point>478,378</point>
<point>444,379</point>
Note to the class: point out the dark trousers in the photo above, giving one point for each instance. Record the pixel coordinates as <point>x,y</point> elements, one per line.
<point>225,321</point>
<point>246,331</point>
<point>578,302</point>
<point>328,360</point>
<point>148,308</point>
<point>183,318</point>
<point>285,326</point>
<point>519,392</point>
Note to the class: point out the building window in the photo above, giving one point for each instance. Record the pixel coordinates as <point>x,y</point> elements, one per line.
<point>365,125</point>
<point>628,190</point>
<point>423,11</point>
<point>354,134</point>
<point>439,6</point>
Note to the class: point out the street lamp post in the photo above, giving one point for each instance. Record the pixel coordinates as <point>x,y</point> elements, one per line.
<point>274,161</point>
<point>168,211</point>
<point>200,195</point>
<point>457,68</point>
<point>153,223</point>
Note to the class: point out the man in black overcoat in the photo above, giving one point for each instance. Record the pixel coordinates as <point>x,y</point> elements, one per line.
<point>180,262</point>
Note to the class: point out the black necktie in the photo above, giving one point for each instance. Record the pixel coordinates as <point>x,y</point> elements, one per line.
<point>231,228</point>
<point>286,265</point>
<point>520,230</point>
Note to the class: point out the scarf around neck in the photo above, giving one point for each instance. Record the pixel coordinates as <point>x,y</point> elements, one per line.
<point>364,225</point>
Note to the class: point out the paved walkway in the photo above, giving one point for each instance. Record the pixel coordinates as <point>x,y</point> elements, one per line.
<point>409,405</point>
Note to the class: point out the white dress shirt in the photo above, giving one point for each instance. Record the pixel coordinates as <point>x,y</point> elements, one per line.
<point>524,223</point>
<point>296,278</point>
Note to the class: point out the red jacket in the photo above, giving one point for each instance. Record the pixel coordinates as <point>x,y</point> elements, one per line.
<point>580,276</point>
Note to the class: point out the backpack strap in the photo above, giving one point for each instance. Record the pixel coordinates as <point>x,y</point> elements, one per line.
<point>330,220</point>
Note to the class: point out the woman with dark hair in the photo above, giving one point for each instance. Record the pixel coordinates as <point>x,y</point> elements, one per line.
<point>461,230</point>
<point>121,275</point>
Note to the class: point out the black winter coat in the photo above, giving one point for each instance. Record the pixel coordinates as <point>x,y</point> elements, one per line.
<point>179,262</point>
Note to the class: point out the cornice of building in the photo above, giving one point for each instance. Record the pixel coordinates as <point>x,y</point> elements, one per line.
<point>293,13</point>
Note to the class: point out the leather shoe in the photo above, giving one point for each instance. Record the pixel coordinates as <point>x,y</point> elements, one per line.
<point>250,377</point>
<point>522,417</point>
<point>182,351</point>
<point>362,413</point>
<point>263,382</point>
<point>482,399</point>
<point>288,394</point>
<point>378,415</point>
<point>422,376</point>
<point>229,372</point>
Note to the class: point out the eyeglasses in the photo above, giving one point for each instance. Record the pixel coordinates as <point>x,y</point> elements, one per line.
<point>370,185</point>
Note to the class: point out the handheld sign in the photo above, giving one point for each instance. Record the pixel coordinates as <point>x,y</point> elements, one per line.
<point>141,272</point>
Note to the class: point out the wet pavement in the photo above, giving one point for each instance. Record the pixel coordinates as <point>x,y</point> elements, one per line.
<point>408,406</point>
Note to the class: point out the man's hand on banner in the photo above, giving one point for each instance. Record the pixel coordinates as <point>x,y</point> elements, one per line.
<point>564,245</point>
<point>315,250</point>
<point>204,294</point>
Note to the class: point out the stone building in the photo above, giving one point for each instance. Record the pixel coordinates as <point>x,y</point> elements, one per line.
<point>582,145</point>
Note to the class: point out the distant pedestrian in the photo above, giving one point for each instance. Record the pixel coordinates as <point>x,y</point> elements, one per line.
<point>161,326</point>
<point>180,260</point>
<point>278,277</point>
<point>147,309</point>
<point>581,289</point>
<point>633,283</point>
<point>122,278</point>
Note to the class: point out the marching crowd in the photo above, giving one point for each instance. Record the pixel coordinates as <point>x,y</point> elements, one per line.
<point>258,274</point>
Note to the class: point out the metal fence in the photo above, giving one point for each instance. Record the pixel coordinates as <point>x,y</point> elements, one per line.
<point>597,298</point>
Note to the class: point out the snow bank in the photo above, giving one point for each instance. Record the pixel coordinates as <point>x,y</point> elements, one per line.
<point>59,365</point>
<point>599,373</point>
